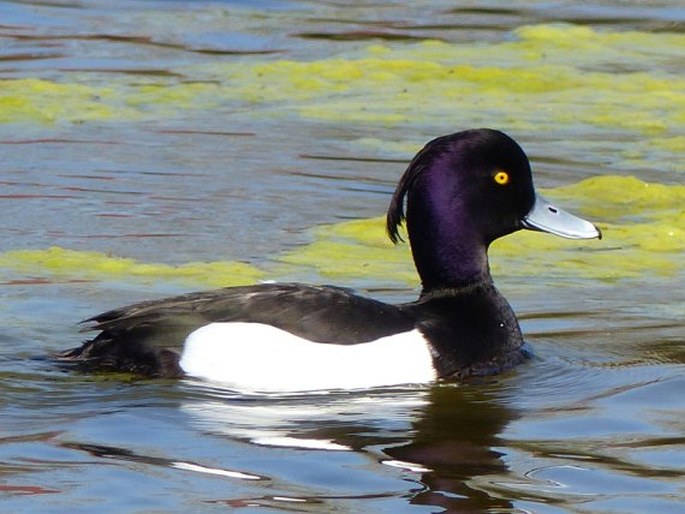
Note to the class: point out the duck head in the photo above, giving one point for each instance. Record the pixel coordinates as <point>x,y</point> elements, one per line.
<point>462,192</point>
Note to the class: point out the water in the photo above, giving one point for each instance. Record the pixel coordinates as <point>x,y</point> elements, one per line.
<point>160,147</point>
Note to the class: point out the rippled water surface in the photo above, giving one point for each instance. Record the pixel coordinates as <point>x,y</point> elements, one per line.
<point>152,147</point>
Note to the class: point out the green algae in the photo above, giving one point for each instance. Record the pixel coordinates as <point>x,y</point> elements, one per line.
<point>64,264</point>
<point>616,198</point>
<point>629,249</point>
<point>548,76</point>
<point>357,249</point>
<point>643,224</point>
<point>47,102</point>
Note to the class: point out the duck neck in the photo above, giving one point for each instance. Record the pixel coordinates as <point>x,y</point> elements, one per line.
<point>447,256</point>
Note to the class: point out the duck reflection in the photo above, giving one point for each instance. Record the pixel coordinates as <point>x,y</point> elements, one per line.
<point>453,432</point>
<point>454,440</point>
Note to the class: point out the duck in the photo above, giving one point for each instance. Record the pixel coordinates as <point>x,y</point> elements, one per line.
<point>461,192</point>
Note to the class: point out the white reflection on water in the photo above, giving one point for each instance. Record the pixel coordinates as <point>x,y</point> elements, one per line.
<point>296,420</point>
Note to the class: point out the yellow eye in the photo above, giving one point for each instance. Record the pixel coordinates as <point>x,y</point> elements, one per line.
<point>502,178</point>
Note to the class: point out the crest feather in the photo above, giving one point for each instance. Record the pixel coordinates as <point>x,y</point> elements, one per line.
<point>396,215</point>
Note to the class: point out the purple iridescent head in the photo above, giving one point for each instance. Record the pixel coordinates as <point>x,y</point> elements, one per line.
<point>462,192</point>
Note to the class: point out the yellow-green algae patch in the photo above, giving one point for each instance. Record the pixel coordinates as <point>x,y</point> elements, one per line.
<point>46,101</point>
<point>547,76</point>
<point>643,224</point>
<point>655,245</point>
<point>61,263</point>
<point>610,197</point>
<point>550,75</point>
<point>404,87</point>
<point>354,250</point>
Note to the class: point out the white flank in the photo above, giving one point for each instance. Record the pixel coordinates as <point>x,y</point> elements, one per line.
<point>258,357</point>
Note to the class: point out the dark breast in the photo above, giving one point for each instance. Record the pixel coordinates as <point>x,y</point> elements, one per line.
<point>472,330</point>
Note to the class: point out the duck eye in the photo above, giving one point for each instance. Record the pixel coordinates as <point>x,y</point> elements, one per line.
<point>502,178</point>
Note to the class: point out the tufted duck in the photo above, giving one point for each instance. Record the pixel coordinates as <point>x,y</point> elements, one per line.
<point>462,191</point>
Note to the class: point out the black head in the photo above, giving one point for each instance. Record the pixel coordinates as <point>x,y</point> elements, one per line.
<point>463,191</point>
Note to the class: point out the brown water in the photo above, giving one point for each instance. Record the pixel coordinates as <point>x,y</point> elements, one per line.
<point>142,135</point>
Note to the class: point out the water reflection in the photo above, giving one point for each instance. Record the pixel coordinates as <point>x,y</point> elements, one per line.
<point>325,421</point>
<point>122,454</point>
<point>453,434</point>
<point>455,437</point>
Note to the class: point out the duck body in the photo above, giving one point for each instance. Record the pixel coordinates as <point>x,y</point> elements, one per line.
<point>303,337</point>
<point>461,191</point>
